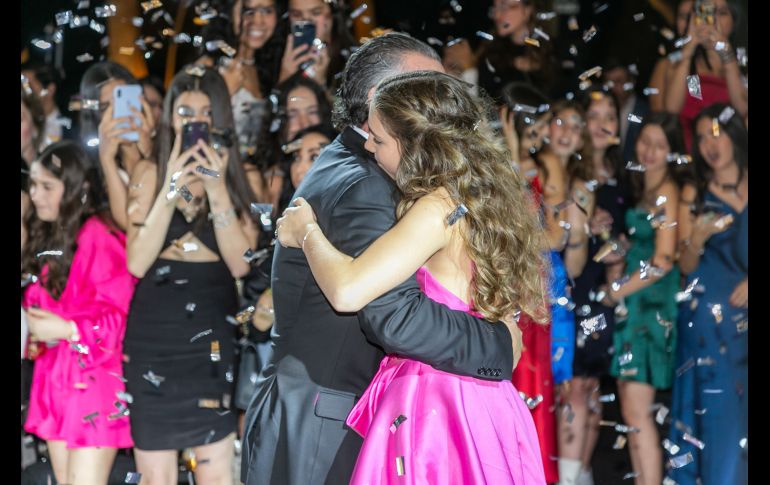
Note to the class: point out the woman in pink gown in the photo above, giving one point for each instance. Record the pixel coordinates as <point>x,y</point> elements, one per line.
<point>76,311</point>
<point>468,229</point>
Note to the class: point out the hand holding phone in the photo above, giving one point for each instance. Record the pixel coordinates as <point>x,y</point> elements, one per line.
<point>304,33</point>
<point>124,98</point>
<point>194,131</point>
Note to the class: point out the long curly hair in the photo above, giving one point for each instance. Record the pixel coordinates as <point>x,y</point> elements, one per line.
<point>446,141</point>
<point>75,207</point>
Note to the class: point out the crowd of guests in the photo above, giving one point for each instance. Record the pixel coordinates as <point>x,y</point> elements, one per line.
<point>146,262</point>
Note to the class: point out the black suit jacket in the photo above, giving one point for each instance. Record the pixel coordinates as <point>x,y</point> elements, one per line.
<point>322,361</point>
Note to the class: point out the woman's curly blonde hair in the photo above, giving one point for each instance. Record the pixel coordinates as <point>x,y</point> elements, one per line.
<point>445,141</point>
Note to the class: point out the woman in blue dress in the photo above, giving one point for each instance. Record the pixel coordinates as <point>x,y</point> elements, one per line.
<point>710,398</point>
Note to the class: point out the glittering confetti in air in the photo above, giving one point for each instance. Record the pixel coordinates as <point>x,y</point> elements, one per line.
<point>634,118</point>
<point>681,42</point>
<point>546,15</point>
<point>635,167</point>
<point>456,6</point>
<point>660,416</point>
<point>397,422</point>
<point>531,402</point>
<point>607,397</point>
<point>41,44</point>
<point>743,443</point>
<point>357,12</point>
<point>201,334</point>
<point>620,442</point>
<point>594,324</point>
<point>689,364</point>
<point>594,71</point>
<point>681,460</point>
<point>152,4</point>
<point>63,18</point>
<point>625,358</point>
<point>589,34</point>
<point>693,86</point>
<point>726,114</point>
<point>630,475</point>
<point>456,214</point>
<point>716,310</point>
<point>485,35</point>
<point>153,378</point>
<point>215,354</point>
<point>693,440</point>
<point>650,91</point>
<point>400,466</point>
<point>671,447</point>
<point>133,477</point>
<point>638,17</point>
<point>52,252</point>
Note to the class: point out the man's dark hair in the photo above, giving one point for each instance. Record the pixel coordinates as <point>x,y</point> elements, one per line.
<point>377,59</point>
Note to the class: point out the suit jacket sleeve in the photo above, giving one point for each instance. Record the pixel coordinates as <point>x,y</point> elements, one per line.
<point>405,321</point>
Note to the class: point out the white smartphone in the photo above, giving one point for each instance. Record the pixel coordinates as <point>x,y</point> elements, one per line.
<point>123,98</point>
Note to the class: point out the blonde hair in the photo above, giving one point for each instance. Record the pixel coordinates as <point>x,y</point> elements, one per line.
<point>445,142</point>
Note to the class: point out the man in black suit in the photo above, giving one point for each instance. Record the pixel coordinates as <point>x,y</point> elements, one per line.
<point>322,361</point>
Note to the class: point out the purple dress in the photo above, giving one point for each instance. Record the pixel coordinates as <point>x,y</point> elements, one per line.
<point>421,425</point>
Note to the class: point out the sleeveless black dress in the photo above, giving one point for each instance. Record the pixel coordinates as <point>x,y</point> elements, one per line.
<point>180,348</point>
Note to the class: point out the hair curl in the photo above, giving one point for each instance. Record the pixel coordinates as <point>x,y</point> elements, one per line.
<point>445,141</point>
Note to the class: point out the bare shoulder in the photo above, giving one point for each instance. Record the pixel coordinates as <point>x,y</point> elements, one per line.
<point>670,190</point>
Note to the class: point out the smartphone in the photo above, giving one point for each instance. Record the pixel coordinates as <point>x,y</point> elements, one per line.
<point>304,33</point>
<point>706,9</point>
<point>123,99</point>
<point>194,131</point>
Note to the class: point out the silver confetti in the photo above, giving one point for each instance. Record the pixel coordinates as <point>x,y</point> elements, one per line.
<point>485,35</point>
<point>190,307</point>
<point>197,40</point>
<point>626,358</point>
<point>589,34</point>
<point>133,477</point>
<point>594,324</point>
<point>607,398</point>
<point>397,422</point>
<point>670,446</point>
<point>541,34</point>
<point>583,311</point>
<point>693,86</point>
<point>456,6</point>
<point>546,15</point>
<point>85,57</point>
<point>84,4</point>
<point>681,460</point>
<point>660,416</point>
<point>182,38</point>
<point>124,396</point>
<point>630,474</point>
<point>615,285</point>
<point>726,114</point>
<point>694,441</point>
<point>700,412</point>
<point>434,41</point>
<point>634,118</point>
<point>635,167</point>
<point>96,26</point>
<point>52,252</point>
<point>743,443</point>
<point>63,18</point>
<point>740,54</point>
<point>601,8</point>
<point>622,428</point>
<point>78,22</point>
<point>531,402</point>
<point>701,361</point>
<point>594,71</point>
<point>650,91</point>
<point>716,310</point>
<point>681,42</point>
<point>153,379</point>
<point>201,334</point>
<point>41,44</point>
<point>638,17</point>
<point>456,214</point>
<point>713,391</point>
<point>689,364</point>
<point>106,11</point>
<point>359,11</point>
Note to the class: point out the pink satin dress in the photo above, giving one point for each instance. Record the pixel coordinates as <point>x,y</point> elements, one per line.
<point>77,391</point>
<point>425,426</point>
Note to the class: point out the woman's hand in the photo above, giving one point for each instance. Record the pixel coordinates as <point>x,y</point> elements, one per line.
<point>321,65</point>
<point>509,132</point>
<point>740,296</point>
<point>176,170</point>
<point>109,135</point>
<point>293,58</point>
<point>212,161</point>
<point>46,326</point>
<point>264,315</point>
<point>146,129</point>
<point>706,225</point>
<point>292,227</point>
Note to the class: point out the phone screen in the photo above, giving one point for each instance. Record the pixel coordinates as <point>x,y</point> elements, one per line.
<point>124,98</point>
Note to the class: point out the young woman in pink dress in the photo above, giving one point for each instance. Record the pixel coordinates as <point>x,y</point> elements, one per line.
<point>76,311</point>
<point>422,425</point>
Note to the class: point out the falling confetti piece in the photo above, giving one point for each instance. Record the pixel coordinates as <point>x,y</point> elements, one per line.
<point>190,307</point>
<point>133,477</point>
<point>638,17</point>
<point>635,167</point>
<point>743,443</point>
<point>634,118</point>
<point>594,71</point>
<point>693,86</point>
<point>397,422</point>
<point>52,252</point>
<point>589,34</point>
<point>681,460</point>
<point>456,214</point>
<point>594,324</point>
<point>201,334</point>
<point>716,310</point>
<point>41,44</point>
<point>671,447</point>
<point>400,466</point>
<point>694,441</point>
<point>485,35</point>
<point>650,91</point>
<point>630,475</point>
<point>681,42</point>
<point>153,379</point>
<point>607,398</point>
<point>215,355</point>
<point>152,4</point>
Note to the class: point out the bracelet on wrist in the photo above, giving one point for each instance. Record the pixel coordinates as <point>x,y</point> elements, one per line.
<point>312,228</point>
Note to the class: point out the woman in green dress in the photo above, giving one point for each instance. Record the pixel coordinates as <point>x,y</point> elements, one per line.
<point>645,332</point>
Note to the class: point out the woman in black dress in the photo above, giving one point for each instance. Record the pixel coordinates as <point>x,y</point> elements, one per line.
<point>189,227</point>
